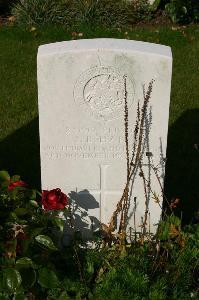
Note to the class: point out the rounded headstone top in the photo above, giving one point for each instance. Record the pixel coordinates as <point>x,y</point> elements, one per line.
<point>104,44</point>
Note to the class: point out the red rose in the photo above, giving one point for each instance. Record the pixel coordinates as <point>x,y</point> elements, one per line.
<point>54,199</point>
<point>19,183</point>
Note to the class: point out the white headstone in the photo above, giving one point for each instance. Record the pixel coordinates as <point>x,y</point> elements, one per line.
<point>81,119</point>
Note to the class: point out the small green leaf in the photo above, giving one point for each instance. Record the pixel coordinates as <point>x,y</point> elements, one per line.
<point>184,9</point>
<point>21,211</point>
<point>3,297</point>
<point>64,296</point>
<point>90,267</point>
<point>28,277</point>
<point>45,241</point>
<point>4,184</point>
<point>36,231</point>
<point>24,262</point>
<point>31,194</point>
<point>12,279</point>
<point>4,176</point>
<point>15,178</point>
<point>155,5</point>
<point>13,217</point>
<point>59,223</point>
<point>33,203</point>
<point>20,297</point>
<point>48,278</point>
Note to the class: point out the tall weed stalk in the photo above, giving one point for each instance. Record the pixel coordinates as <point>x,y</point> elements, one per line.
<point>133,163</point>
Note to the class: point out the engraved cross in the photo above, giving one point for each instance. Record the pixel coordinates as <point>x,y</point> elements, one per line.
<point>102,191</point>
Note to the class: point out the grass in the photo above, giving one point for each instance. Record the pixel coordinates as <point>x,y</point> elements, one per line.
<point>19,141</point>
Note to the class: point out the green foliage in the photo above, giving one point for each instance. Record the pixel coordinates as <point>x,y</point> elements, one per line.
<point>169,228</point>
<point>31,12</point>
<point>183,11</point>
<point>33,259</point>
<point>26,243</point>
<point>29,277</point>
<point>158,289</point>
<point>24,262</point>
<point>122,283</point>
<point>73,13</point>
<point>100,12</point>
<point>4,176</point>
<point>48,278</point>
<point>155,5</point>
<point>45,241</point>
<point>11,280</point>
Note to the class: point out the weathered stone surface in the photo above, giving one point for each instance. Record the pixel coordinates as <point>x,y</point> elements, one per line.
<point>81,118</point>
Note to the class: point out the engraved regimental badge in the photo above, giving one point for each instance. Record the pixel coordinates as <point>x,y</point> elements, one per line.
<point>100,92</point>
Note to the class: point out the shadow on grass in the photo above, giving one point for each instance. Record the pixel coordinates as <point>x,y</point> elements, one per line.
<point>19,154</point>
<point>182,170</point>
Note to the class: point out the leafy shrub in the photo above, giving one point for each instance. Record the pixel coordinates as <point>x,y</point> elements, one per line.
<point>113,13</point>
<point>32,12</point>
<point>69,12</point>
<point>183,11</point>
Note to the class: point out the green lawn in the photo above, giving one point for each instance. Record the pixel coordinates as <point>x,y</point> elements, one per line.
<point>19,142</point>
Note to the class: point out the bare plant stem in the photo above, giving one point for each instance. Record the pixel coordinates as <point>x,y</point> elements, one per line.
<point>123,219</point>
<point>146,204</point>
<point>133,164</point>
<point>162,190</point>
<point>126,121</point>
<point>147,97</point>
<point>136,131</point>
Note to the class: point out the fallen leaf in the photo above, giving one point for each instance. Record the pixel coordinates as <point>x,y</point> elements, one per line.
<point>11,19</point>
